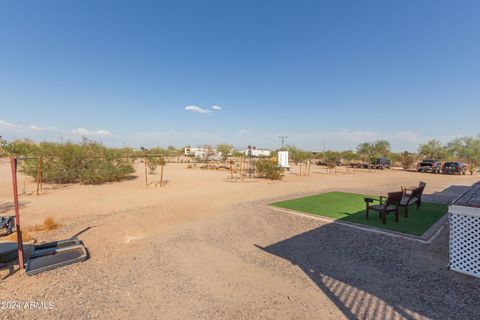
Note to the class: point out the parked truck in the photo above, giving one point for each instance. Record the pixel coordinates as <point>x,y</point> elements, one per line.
<point>429,165</point>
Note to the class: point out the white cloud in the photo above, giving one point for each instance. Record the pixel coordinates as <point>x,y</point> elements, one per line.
<point>340,139</point>
<point>20,128</point>
<point>86,132</point>
<point>215,107</point>
<point>9,124</point>
<point>35,127</point>
<point>243,132</point>
<point>197,109</point>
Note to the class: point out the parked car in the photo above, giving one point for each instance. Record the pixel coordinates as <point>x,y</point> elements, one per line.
<point>380,163</point>
<point>323,163</point>
<point>363,165</point>
<point>454,168</point>
<point>429,165</point>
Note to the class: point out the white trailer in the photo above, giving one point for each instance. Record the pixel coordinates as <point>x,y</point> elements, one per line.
<point>192,151</point>
<point>257,153</point>
<point>204,155</point>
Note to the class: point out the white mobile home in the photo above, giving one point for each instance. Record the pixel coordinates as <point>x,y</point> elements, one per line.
<point>258,153</point>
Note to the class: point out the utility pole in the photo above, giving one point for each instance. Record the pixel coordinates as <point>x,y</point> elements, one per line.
<point>283,140</point>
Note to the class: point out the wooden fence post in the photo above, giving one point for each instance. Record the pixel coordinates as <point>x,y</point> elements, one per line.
<point>146,178</point>
<point>161,176</point>
<point>39,175</point>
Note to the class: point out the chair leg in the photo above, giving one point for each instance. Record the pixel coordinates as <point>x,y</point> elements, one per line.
<point>384,217</point>
<point>396,215</point>
<point>366,212</point>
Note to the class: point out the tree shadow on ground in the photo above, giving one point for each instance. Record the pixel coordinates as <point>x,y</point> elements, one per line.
<point>8,207</point>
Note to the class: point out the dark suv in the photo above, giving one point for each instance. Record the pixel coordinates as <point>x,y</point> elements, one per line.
<point>429,165</point>
<point>454,167</point>
<point>380,163</point>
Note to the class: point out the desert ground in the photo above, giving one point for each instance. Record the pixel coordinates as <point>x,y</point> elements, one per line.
<point>202,247</point>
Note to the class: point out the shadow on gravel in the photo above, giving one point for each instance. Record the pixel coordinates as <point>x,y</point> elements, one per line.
<point>371,276</point>
<point>447,195</point>
<point>7,207</point>
<point>82,231</point>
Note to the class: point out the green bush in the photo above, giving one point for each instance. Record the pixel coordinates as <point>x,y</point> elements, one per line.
<point>153,162</point>
<point>86,163</point>
<point>268,169</point>
<point>18,148</point>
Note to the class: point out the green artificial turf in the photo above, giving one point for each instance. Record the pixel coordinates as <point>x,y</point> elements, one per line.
<point>350,207</point>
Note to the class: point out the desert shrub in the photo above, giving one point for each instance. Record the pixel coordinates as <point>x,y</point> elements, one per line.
<point>154,162</point>
<point>298,155</point>
<point>86,163</point>
<point>225,149</point>
<point>266,168</point>
<point>331,158</point>
<point>407,160</point>
<point>18,148</point>
<point>472,168</point>
<point>49,224</point>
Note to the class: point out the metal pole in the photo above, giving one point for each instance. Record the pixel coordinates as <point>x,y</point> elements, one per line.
<point>283,140</point>
<point>13,162</point>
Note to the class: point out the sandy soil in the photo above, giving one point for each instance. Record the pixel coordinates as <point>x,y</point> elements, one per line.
<point>192,249</point>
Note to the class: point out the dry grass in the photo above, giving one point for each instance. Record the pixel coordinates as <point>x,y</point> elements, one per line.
<point>48,224</point>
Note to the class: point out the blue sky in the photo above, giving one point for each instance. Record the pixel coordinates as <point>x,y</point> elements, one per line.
<point>340,71</point>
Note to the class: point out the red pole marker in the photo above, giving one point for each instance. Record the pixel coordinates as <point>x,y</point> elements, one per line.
<point>13,162</point>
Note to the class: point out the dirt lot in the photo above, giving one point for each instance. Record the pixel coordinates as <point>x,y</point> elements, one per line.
<point>200,247</point>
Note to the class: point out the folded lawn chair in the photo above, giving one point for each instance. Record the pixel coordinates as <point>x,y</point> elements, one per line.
<point>414,197</point>
<point>392,204</point>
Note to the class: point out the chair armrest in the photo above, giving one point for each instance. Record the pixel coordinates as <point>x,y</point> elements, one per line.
<point>406,189</point>
<point>370,200</point>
